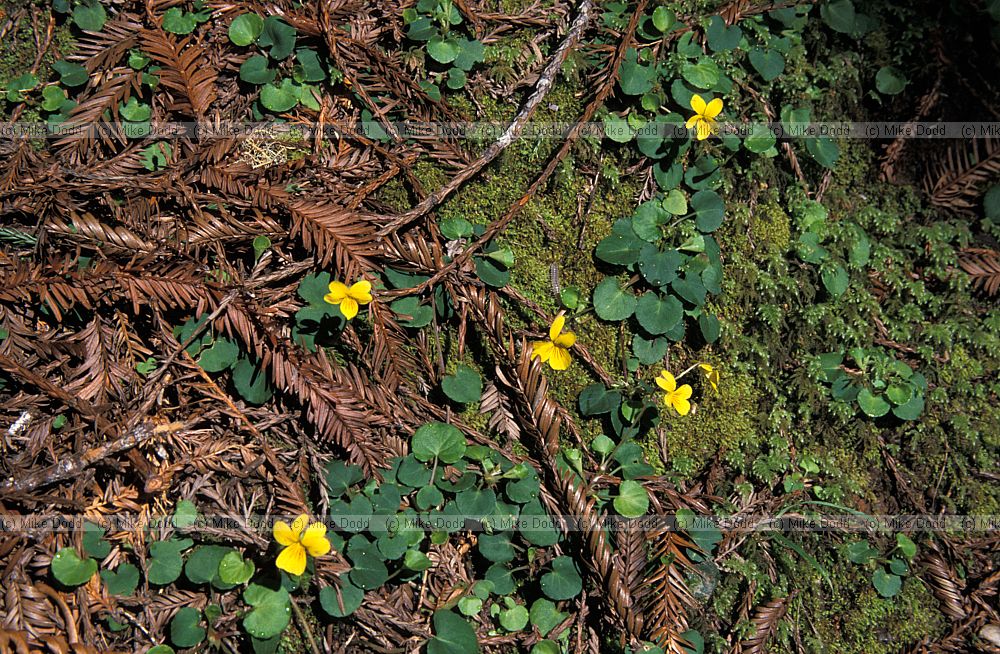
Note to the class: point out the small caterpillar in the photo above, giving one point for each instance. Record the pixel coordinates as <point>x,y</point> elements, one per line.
<point>554,280</point>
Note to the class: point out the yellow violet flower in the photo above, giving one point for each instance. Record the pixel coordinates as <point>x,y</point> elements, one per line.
<point>675,398</point>
<point>349,298</point>
<point>711,374</point>
<point>555,351</point>
<point>704,115</point>
<point>298,540</point>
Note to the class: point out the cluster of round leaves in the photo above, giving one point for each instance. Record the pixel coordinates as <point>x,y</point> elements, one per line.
<point>278,39</point>
<point>887,384</point>
<point>887,576</point>
<point>431,21</point>
<point>816,242</point>
<point>217,354</point>
<point>447,487</point>
<point>677,280</point>
<point>224,568</point>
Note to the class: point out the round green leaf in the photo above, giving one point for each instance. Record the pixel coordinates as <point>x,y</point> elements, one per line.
<point>429,496</point>
<point>632,500</point>
<point>416,560</point>
<point>90,16</point>
<point>418,315</point>
<point>456,79</point>
<point>437,439</point>
<point>251,382</point>
<point>824,150</point>
<point>184,628</point>
<point>277,35</point>
<point>465,386</point>
<point>889,81</point>
<point>709,210</point>
<point>911,410</point>
<point>70,570</point>
<point>722,38</point>
<point>452,635</point>
<point>635,78</point>
<point>761,139</point>
<point>703,75</point>
<point>649,352</point>
<point>185,514</point>
<point>663,19</point>
<point>835,279</point>
<point>621,247</point>
<point>874,406</point>
<point>710,328</point>
<point>350,599</point>
<point>502,579</point>
<point>887,585</point>
<point>658,314</point>
<point>122,581</point>
<point>906,546</point>
<point>597,399</point>
<point>443,50</point>
<point>839,15</point>
<point>991,203</point>
<point>279,98</point>
<point>255,71</point>
<point>476,503</point>
<point>165,562</point>
<point>541,530</point>
<point>177,21</point>
<point>245,29</point>
<point>769,63</point>
<point>234,570</point>
<point>135,111</point>
<point>611,302</point>
<point>470,606</point>
<point>545,647</point>
<point>369,571</point>
<point>659,267</point>
<point>202,565</point>
<point>496,547</point>
<point>675,202</point>
<point>514,619</point>
<point>93,541</point>
<point>271,613</point>
<point>341,476</point>
<point>160,649</point>
<point>220,356</point>
<point>545,616</point>
<point>564,581</point>
<point>70,74</point>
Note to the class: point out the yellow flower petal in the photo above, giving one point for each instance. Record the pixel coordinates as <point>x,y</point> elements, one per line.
<point>666,381</point>
<point>338,291</point>
<point>566,340</point>
<point>692,121</point>
<point>714,108</point>
<point>560,359</point>
<point>292,559</point>
<point>361,292</point>
<point>542,350</point>
<point>283,533</point>
<point>683,406</point>
<point>349,307</point>
<point>705,127</point>
<point>698,104</point>
<point>707,367</point>
<point>684,392</point>
<point>315,541</point>
<point>557,327</point>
